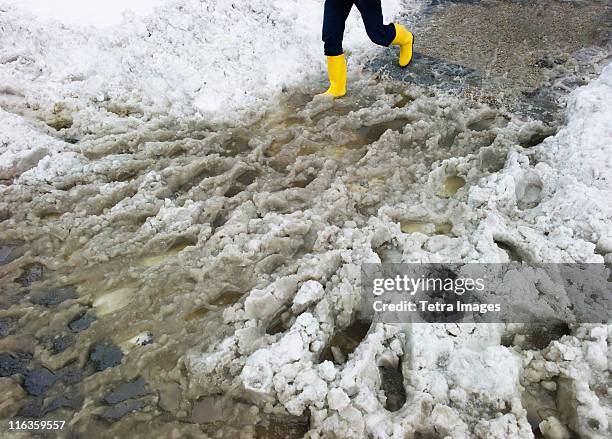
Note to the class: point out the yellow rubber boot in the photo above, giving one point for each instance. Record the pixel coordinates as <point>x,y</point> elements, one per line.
<point>403,39</point>
<point>336,69</point>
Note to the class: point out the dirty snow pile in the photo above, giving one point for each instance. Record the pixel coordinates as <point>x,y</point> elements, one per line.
<point>567,177</point>
<point>550,203</point>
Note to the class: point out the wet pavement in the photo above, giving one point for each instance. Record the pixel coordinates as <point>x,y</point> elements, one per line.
<point>520,56</point>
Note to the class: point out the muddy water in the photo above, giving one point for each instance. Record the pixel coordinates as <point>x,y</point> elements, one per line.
<point>109,279</point>
<point>104,292</point>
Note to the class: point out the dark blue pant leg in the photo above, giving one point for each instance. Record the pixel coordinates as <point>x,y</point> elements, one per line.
<point>371,13</point>
<point>336,13</point>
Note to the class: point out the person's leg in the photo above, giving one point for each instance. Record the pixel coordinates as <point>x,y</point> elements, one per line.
<point>371,13</point>
<point>336,12</point>
<point>334,18</point>
<point>385,35</point>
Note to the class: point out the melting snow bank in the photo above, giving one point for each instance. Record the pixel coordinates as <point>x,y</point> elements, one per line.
<point>190,55</point>
<point>560,187</point>
<point>549,203</point>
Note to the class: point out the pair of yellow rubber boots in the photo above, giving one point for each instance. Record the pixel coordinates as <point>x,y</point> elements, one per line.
<point>336,65</point>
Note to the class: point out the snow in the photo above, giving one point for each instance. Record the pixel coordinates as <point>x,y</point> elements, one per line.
<point>589,126</point>
<point>22,147</point>
<point>460,378</point>
<point>570,175</point>
<point>126,90</point>
<point>309,293</point>
<point>219,59</point>
<point>79,13</point>
<point>190,56</point>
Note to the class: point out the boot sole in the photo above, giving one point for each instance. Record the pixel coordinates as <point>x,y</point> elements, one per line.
<point>332,95</point>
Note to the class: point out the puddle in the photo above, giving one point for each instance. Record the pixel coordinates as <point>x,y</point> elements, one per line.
<point>404,100</point>
<point>38,381</point>
<point>389,253</point>
<point>443,228</point>
<point>350,153</point>
<point>114,300</point>
<point>358,187</point>
<point>448,140</point>
<point>427,71</point>
<point>530,196</point>
<point>152,261</point>
<point>184,182</point>
<point>412,227</point>
<point>127,391</point>
<point>170,396</point>
<point>49,297</point>
<point>50,216</point>
<point>105,356</point>
<point>344,342</point>
<point>81,323</point>
<point>426,228</point>
<point>210,409</point>
<point>59,122</point>
<point>451,186</point>
<point>7,326</point>
<point>277,145</point>
<point>282,427</point>
<point>535,136</point>
<point>197,313</point>
<point>372,133</point>
<point>10,253</point>
<point>30,274</point>
<point>338,110</point>
<point>537,336</point>
<point>278,324</point>
<point>227,299</point>
<point>123,110</point>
